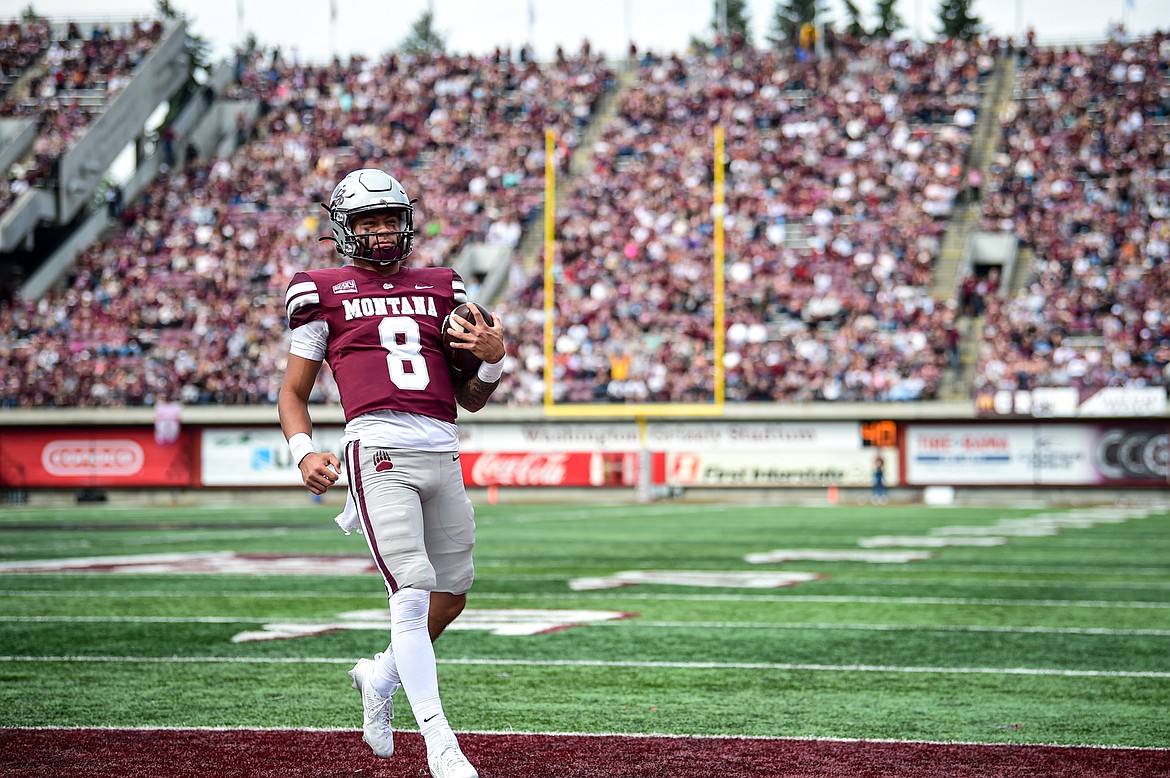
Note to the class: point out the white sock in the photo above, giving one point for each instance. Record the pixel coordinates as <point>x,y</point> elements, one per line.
<point>384,675</point>
<point>414,657</point>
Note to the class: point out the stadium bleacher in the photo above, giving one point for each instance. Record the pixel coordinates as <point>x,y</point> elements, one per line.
<point>1083,181</point>
<point>62,83</point>
<point>842,176</point>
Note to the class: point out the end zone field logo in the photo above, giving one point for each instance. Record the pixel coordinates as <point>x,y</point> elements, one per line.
<point>510,622</point>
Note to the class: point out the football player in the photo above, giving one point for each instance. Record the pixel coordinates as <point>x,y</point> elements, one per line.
<point>378,325</point>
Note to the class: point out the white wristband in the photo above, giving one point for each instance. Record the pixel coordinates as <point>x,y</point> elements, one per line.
<point>490,373</point>
<point>301,445</point>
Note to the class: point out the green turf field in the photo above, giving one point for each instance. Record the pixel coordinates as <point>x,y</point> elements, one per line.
<point>1061,637</point>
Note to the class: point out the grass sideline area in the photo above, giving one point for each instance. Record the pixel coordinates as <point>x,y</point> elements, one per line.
<point>1021,625</point>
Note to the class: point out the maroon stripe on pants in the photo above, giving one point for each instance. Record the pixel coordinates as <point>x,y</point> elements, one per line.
<point>353,462</point>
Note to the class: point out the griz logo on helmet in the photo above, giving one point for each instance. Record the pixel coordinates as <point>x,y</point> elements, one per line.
<point>364,191</point>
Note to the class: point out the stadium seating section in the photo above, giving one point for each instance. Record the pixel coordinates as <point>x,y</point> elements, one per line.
<point>1083,181</point>
<point>841,176</point>
<point>68,83</point>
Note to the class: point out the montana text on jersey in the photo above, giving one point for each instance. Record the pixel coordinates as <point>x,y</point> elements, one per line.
<point>396,337</point>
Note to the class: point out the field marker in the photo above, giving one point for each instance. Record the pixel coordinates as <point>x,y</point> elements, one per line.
<point>929,541</point>
<point>835,555</point>
<point>744,579</point>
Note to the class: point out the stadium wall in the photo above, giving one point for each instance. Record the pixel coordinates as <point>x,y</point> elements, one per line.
<point>749,447</point>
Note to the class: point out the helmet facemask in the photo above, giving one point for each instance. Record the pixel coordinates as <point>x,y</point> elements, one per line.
<point>362,192</point>
<point>383,247</point>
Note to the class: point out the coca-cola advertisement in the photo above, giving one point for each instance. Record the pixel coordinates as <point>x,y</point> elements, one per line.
<point>559,468</point>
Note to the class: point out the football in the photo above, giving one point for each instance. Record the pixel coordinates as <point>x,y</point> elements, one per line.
<point>462,359</point>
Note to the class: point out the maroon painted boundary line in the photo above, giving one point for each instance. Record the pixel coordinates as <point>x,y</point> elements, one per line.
<point>139,753</point>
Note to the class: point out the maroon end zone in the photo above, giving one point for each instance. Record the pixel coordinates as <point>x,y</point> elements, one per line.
<point>133,753</point>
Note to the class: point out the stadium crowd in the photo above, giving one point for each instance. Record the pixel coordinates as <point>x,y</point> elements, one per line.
<point>1083,181</point>
<point>185,300</point>
<point>840,177</point>
<point>861,155</point>
<point>21,42</point>
<point>68,83</point>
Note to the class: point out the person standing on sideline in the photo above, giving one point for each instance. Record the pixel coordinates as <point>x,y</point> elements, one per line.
<point>379,325</point>
<point>879,480</point>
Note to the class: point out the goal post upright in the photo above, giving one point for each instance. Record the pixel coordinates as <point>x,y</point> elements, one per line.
<point>720,211</point>
<point>550,224</point>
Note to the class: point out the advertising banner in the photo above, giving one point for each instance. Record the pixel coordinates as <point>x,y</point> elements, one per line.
<point>1132,453</point>
<point>258,456</point>
<point>662,436</point>
<point>557,468</point>
<point>1118,453</point>
<point>602,436</point>
<point>768,436</point>
<point>94,457</point>
<point>1068,402</point>
<point>776,468</point>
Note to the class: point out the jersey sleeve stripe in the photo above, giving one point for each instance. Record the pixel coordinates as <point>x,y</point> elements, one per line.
<point>458,290</point>
<point>302,301</point>
<point>296,289</point>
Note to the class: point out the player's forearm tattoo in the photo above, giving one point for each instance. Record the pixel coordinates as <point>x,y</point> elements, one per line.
<point>473,394</point>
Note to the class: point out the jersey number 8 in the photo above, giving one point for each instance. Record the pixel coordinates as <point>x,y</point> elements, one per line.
<point>408,352</point>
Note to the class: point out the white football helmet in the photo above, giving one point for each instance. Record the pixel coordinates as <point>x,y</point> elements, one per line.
<point>369,189</point>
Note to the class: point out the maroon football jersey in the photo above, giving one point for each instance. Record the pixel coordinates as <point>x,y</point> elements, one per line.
<point>385,344</point>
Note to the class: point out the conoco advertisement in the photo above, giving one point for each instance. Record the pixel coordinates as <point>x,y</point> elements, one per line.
<point>94,457</point>
<point>558,468</point>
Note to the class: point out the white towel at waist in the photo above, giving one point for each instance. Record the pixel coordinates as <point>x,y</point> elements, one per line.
<point>349,519</point>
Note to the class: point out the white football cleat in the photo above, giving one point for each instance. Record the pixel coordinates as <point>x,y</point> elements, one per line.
<point>449,762</point>
<point>377,712</point>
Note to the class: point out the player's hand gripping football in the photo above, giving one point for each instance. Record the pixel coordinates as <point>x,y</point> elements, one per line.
<point>483,338</point>
<point>320,471</point>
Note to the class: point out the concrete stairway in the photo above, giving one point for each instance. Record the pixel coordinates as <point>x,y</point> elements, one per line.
<point>957,384</point>
<point>965,216</point>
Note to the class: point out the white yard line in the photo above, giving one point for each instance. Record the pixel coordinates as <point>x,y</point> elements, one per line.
<point>291,594</point>
<point>954,582</point>
<point>153,538</point>
<point>772,666</point>
<point>623,735</point>
<point>627,623</point>
<point>827,598</point>
<point>619,594</point>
